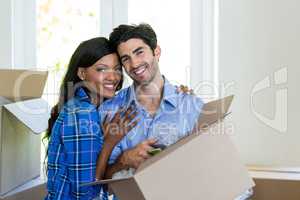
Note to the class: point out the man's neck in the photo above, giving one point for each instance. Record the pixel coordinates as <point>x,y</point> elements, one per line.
<point>150,95</point>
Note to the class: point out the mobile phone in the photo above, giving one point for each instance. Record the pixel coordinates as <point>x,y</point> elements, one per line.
<point>156,149</point>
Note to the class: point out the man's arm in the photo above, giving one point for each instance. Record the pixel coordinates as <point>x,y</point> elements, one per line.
<point>131,158</point>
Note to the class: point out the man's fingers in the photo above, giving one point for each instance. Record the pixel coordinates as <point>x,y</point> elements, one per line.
<point>138,162</point>
<point>151,142</point>
<point>144,154</point>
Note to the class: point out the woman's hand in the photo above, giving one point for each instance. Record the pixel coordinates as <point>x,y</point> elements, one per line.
<point>116,128</point>
<point>185,90</point>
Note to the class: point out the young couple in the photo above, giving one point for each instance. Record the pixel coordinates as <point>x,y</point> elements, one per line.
<point>94,134</point>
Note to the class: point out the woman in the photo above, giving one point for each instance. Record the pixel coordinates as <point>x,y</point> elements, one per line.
<point>75,136</point>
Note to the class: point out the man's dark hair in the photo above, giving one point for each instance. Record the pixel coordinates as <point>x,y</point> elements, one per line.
<point>124,32</point>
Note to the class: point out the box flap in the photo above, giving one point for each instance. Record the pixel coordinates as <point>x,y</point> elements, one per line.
<point>124,188</point>
<point>32,113</point>
<point>105,181</point>
<point>4,101</point>
<point>127,190</point>
<point>17,85</point>
<point>213,111</point>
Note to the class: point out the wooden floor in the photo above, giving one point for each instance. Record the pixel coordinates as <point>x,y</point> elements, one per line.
<point>269,186</point>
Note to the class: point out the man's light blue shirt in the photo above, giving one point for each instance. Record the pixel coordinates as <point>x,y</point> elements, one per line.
<point>175,118</point>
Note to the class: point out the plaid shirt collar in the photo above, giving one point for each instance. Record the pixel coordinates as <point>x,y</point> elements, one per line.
<point>82,94</point>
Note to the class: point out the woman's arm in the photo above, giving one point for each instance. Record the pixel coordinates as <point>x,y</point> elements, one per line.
<point>114,130</point>
<point>103,160</point>
<point>113,168</point>
<point>80,147</point>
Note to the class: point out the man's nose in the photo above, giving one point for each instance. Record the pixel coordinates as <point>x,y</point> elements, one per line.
<point>135,62</point>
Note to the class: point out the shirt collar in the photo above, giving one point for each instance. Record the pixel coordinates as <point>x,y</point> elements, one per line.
<point>169,94</point>
<point>82,94</point>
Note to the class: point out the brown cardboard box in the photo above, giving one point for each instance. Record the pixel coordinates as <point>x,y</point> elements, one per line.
<point>201,166</point>
<point>275,183</point>
<point>32,190</point>
<point>23,115</point>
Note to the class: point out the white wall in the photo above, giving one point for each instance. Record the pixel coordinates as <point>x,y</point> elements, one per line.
<point>5,34</point>
<point>17,34</point>
<point>204,25</point>
<point>258,38</point>
<point>112,13</point>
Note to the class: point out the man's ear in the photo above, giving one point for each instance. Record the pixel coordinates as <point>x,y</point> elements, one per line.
<point>157,51</point>
<point>81,73</point>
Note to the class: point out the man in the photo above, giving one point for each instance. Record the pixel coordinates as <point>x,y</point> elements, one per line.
<point>165,115</point>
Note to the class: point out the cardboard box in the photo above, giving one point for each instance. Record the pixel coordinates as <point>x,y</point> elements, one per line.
<point>275,183</point>
<point>23,115</point>
<point>204,165</point>
<point>32,190</point>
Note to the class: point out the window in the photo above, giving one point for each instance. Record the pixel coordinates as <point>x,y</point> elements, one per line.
<point>173,32</point>
<point>60,29</point>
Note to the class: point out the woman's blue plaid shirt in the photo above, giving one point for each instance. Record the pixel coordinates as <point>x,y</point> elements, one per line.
<point>75,143</point>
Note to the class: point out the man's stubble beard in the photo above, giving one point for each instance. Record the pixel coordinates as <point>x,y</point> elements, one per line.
<point>153,75</point>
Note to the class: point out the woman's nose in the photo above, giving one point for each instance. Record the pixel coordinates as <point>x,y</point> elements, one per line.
<point>112,76</point>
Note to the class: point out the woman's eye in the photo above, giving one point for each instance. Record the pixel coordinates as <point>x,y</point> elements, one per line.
<point>119,69</point>
<point>101,70</point>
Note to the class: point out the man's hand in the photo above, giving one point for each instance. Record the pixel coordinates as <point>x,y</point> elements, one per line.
<point>133,158</point>
<point>185,89</point>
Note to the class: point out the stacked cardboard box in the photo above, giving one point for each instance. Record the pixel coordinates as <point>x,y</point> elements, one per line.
<point>23,115</point>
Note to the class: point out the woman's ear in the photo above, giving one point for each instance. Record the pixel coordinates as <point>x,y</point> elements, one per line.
<point>81,73</point>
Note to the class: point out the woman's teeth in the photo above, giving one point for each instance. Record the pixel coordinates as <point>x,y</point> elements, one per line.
<point>109,86</point>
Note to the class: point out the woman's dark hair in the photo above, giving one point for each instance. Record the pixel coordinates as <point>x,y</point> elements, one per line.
<point>124,32</point>
<point>86,54</point>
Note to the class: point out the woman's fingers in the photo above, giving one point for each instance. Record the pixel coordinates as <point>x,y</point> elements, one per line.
<point>121,113</point>
<point>117,116</point>
<point>123,120</point>
<point>128,111</point>
<point>131,126</point>
<point>106,120</point>
<point>128,118</point>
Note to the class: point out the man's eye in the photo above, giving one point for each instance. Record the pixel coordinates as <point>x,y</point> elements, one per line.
<point>139,52</point>
<point>124,60</point>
